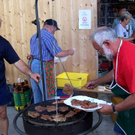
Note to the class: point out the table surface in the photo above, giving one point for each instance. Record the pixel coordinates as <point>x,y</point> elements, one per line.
<point>99,89</point>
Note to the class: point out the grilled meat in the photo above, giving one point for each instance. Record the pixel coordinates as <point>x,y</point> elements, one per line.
<point>51,108</point>
<point>84,104</point>
<point>90,105</point>
<point>70,114</point>
<point>63,108</point>
<point>40,108</point>
<point>56,115</point>
<point>33,114</point>
<point>59,102</point>
<point>77,110</point>
<point>68,89</point>
<point>59,119</point>
<point>76,102</point>
<point>46,117</point>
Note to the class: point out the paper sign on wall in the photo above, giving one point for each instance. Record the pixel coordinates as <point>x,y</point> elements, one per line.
<point>85,19</point>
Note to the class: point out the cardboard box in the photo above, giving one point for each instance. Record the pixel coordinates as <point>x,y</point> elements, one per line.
<point>115,100</point>
<point>78,80</point>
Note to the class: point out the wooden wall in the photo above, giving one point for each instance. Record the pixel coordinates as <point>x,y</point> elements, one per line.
<point>17,28</point>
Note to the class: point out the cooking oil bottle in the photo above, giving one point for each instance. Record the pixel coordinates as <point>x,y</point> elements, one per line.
<point>21,95</point>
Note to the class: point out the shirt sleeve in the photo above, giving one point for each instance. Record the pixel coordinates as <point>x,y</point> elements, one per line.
<point>52,46</point>
<point>115,22</point>
<point>9,53</point>
<point>133,24</point>
<point>118,31</point>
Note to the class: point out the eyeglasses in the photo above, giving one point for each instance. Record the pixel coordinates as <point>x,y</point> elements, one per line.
<point>100,49</point>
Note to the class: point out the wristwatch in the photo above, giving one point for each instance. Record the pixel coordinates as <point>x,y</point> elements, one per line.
<point>29,74</point>
<point>113,108</point>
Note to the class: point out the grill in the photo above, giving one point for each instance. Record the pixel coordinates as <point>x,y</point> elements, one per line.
<point>79,124</point>
<point>38,121</point>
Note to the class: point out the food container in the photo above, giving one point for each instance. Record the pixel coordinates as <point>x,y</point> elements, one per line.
<point>78,80</point>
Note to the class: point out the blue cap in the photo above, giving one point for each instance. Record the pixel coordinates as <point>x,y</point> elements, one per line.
<point>51,22</point>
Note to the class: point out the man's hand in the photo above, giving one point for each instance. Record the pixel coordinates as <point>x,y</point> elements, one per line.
<point>35,77</point>
<point>21,66</point>
<point>91,84</point>
<point>71,52</point>
<point>106,109</point>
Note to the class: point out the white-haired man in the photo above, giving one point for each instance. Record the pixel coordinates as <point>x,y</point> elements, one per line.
<point>121,52</point>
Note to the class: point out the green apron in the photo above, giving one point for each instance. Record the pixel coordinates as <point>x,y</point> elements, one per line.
<point>125,119</point>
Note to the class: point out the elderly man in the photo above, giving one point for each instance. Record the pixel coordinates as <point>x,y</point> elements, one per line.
<point>8,53</point>
<point>122,54</point>
<point>50,49</point>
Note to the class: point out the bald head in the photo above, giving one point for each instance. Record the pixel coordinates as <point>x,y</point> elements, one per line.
<point>122,11</point>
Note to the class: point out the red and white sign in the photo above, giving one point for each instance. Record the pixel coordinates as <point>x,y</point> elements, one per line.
<point>84,19</point>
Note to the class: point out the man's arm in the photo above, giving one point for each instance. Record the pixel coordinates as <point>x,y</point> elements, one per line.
<point>102,80</point>
<point>21,66</point>
<point>126,104</point>
<point>64,53</point>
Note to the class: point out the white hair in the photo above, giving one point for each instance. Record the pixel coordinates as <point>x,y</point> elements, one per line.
<point>102,34</point>
<point>125,15</point>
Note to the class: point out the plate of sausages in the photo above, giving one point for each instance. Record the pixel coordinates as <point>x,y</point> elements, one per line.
<point>84,103</point>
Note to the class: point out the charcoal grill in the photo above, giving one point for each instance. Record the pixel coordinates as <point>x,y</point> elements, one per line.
<point>79,124</point>
<point>48,123</point>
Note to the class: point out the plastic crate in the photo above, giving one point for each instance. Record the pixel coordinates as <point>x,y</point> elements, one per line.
<point>78,80</point>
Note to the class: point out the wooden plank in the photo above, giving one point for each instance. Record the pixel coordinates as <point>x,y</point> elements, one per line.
<point>18,29</point>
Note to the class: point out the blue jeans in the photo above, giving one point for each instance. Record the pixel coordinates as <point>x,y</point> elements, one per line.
<point>37,88</point>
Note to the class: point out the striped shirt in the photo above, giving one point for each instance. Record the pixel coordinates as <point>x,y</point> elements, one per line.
<point>49,44</point>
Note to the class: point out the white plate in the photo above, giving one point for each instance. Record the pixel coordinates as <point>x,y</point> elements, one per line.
<point>68,102</point>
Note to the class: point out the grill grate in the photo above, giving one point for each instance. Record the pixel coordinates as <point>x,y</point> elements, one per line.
<point>40,122</point>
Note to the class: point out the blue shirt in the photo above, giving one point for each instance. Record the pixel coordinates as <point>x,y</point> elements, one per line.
<point>8,53</point>
<point>49,44</point>
<point>117,21</point>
